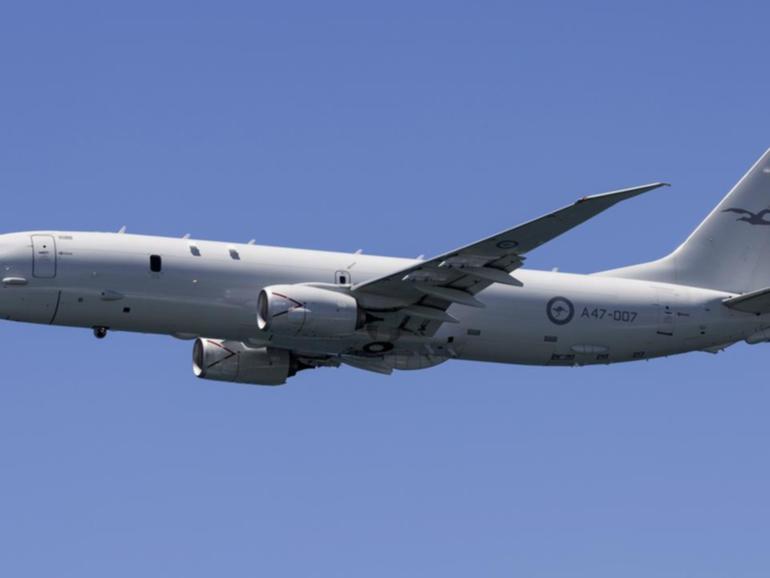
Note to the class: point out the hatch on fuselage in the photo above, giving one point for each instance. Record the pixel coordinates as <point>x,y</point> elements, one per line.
<point>666,313</point>
<point>43,256</point>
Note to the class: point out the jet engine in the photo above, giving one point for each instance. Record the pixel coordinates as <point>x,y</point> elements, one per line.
<point>236,362</point>
<point>307,311</point>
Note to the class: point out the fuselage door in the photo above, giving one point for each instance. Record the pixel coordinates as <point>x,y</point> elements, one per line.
<point>343,278</point>
<point>666,313</point>
<point>43,256</point>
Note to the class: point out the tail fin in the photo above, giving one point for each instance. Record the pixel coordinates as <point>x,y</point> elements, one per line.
<point>730,250</point>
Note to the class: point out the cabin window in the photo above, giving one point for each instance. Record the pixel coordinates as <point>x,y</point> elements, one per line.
<point>195,250</point>
<point>155,263</point>
<point>234,254</point>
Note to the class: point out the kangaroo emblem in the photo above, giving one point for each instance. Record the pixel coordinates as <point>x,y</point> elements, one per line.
<point>749,217</point>
<point>560,310</point>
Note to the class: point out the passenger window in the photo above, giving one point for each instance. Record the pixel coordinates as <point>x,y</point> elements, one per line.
<point>155,263</point>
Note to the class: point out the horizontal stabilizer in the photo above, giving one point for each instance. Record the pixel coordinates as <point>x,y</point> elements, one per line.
<point>757,302</point>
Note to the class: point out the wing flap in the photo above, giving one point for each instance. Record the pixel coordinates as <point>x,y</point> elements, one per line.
<point>375,365</point>
<point>430,313</point>
<point>450,294</point>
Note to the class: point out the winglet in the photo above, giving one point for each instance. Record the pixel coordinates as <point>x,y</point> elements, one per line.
<point>623,194</point>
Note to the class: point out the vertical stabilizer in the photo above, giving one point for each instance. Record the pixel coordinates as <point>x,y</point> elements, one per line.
<point>730,249</point>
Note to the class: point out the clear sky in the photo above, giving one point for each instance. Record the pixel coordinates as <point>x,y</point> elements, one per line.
<point>399,128</point>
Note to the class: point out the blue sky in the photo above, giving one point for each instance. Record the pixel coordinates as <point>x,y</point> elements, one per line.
<point>400,128</point>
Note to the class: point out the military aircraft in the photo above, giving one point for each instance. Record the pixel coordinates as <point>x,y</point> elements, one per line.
<point>260,314</point>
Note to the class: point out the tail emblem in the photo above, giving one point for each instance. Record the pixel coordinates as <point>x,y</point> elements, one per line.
<point>749,217</point>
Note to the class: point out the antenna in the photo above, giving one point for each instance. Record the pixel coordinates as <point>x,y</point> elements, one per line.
<point>122,230</point>
<point>251,242</point>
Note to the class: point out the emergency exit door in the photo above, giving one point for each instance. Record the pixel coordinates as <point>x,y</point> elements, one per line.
<point>43,256</point>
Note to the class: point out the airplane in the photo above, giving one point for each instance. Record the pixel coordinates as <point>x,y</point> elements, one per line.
<point>260,314</point>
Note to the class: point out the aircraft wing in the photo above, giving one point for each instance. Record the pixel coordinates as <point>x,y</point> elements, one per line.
<point>416,298</point>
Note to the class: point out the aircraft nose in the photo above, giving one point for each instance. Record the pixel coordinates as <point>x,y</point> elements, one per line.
<point>15,259</point>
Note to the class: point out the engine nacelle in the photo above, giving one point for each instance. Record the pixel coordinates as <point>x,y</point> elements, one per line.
<point>236,362</point>
<point>307,311</point>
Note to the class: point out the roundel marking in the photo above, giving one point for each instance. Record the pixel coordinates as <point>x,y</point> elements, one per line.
<point>507,244</point>
<point>560,310</point>
<point>378,347</point>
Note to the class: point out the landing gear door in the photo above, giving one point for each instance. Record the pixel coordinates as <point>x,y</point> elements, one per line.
<point>43,256</point>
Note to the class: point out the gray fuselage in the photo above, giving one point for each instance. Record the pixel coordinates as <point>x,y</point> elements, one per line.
<point>210,289</point>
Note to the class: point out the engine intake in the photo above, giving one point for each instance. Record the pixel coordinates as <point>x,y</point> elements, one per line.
<point>236,362</point>
<point>307,311</point>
